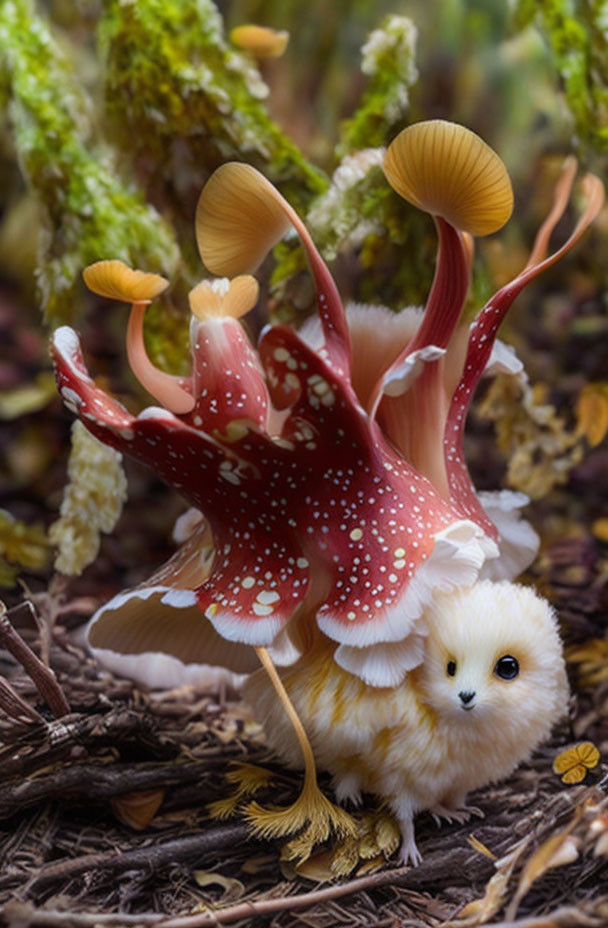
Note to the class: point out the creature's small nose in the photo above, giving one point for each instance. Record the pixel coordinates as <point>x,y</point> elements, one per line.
<point>467,697</point>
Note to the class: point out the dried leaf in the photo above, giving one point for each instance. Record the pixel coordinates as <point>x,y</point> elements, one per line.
<point>601,846</point>
<point>560,849</point>
<point>480,910</point>
<point>479,846</point>
<point>318,867</point>
<point>370,865</point>
<point>233,889</point>
<point>31,397</point>
<point>258,864</point>
<point>592,412</point>
<point>137,809</point>
<point>573,763</point>
<point>600,529</point>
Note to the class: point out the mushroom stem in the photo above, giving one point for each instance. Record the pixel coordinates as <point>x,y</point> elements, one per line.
<point>311,811</point>
<point>163,387</point>
<point>483,335</point>
<point>448,291</point>
<point>443,308</point>
<point>331,310</point>
<point>310,768</point>
<point>561,197</point>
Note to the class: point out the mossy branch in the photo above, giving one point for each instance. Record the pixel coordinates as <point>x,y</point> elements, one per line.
<point>577,35</point>
<point>89,211</point>
<point>175,84</point>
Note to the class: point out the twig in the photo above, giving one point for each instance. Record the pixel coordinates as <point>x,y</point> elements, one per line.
<point>101,782</point>
<point>408,877</point>
<point>16,707</point>
<point>42,676</point>
<point>176,850</point>
<point>22,914</point>
<point>151,857</point>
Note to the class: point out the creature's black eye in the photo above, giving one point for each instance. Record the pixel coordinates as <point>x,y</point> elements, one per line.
<point>451,668</point>
<point>507,667</point>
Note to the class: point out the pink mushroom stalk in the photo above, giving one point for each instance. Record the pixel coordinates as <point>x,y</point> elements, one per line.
<point>332,478</point>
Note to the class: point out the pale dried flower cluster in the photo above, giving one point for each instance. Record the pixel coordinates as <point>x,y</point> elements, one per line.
<point>540,449</point>
<point>92,501</point>
<point>395,40</point>
<point>336,215</point>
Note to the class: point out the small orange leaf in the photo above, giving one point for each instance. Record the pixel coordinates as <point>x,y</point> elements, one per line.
<point>137,809</point>
<point>573,763</point>
<point>592,412</point>
<point>600,529</point>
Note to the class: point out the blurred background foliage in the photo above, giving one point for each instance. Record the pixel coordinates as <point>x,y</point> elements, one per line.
<point>114,113</point>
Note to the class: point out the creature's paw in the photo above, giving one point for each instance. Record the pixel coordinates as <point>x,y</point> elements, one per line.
<point>454,816</point>
<point>408,852</point>
<point>347,788</point>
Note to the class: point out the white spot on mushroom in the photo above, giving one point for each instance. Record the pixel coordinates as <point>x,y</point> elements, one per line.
<point>260,609</point>
<point>266,597</point>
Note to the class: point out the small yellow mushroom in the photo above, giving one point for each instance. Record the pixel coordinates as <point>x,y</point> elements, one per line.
<point>234,299</point>
<point>573,763</point>
<point>116,281</point>
<point>260,41</point>
<point>447,170</point>
<point>239,218</point>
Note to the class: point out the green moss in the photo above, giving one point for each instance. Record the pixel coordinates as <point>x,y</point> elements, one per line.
<point>89,211</point>
<point>359,210</point>
<point>177,90</point>
<point>389,61</point>
<point>577,33</point>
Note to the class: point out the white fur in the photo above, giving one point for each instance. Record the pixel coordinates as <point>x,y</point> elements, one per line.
<point>414,745</point>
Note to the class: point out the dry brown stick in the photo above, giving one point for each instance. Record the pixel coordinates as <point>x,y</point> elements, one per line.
<point>14,706</point>
<point>23,913</point>
<point>438,869</point>
<point>97,782</point>
<point>43,677</point>
<point>151,857</point>
<point>264,907</point>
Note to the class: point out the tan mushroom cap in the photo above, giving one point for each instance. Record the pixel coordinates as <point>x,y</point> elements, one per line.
<point>447,170</point>
<point>260,41</point>
<point>116,281</point>
<point>207,300</point>
<point>239,218</point>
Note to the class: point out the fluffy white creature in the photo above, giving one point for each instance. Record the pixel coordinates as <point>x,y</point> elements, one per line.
<point>490,687</point>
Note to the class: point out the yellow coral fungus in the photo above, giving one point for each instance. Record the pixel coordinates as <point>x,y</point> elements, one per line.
<point>447,170</point>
